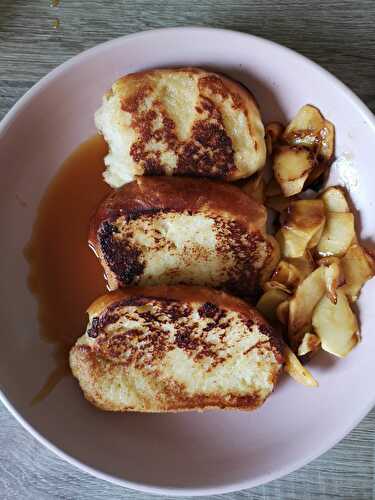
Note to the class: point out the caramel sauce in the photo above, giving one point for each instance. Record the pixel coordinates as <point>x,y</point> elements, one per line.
<point>65,275</point>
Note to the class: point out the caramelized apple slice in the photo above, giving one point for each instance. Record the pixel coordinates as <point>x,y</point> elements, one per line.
<point>287,274</point>
<point>269,301</point>
<point>338,234</point>
<point>282,312</point>
<point>358,267</point>
<point>302,305</point>
<point>291,167</point>
<point>305,219</point>
<point>334,200</point>
<point>334,276</point>
<point>304,264</point>
<point>336,325</point>
<point>310,343</point>
<point>295,369</point>
<point>310,129</point>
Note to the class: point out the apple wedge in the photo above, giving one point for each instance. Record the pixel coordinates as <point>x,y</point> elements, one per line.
<point>304,220</point>
<point>282,312</point>
<point>334,275</point>
<point>291,168</point>
<point>310,343</point>
<point>334,200</point>
<point>310,129</point>
<point>269,301</point>
<point>287,274</point>
<point>303,303</point>
<point>294,368</point>
<point>336,325</point>
<point>272,285</point>
<point>338,234</point>
<point>358,267</point>
<point>305,264</point>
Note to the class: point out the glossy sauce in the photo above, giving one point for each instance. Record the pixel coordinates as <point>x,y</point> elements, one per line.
<point>65,275</point>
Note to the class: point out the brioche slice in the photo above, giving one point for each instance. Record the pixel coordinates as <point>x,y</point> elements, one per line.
<point>175,348</point>
<point>183,121</point>
<point>170,230</point>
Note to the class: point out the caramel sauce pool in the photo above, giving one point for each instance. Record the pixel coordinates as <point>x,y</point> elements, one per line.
<point>64,275</point>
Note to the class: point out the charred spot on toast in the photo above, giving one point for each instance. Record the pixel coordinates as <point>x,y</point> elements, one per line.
<point>123,259</point>
<point>208,310</point>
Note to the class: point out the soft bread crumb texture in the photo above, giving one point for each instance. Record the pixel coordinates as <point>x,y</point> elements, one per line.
<point>190,248</point>
<point>180,122</point>
<point>150,354</point>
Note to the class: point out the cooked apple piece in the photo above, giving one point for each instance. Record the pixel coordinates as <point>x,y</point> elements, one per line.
<point>255,187</point>
<point>303,303</point>
<point>295,369</point>
<point>304,264</point>
<point>310,343</point>
<point>274,131</point>
<point>269,301</point>
<point>358,267</point>
<point>292,244</point>
<point>272,285</point>
<point>336,325</point>
<point>334,200</point>
<point>327,141</point>
<point>338,234</point>
<point>305,126</point>
<point>291,167</point>
<point>287,274</point>
<point>310,129</point>
<point>334,276</point>
<point>305,218</point>
<point>316,238</point>
<point>306,215</point>
<point>282,312</point>
<point>278,203</point>
<point>273,188</point>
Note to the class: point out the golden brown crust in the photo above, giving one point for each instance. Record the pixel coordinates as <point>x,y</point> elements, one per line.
<point>148,194</point>
<point>154,195</point>
<point>181,293</point>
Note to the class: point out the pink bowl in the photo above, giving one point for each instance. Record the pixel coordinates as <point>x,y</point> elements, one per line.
<point>188,454</point>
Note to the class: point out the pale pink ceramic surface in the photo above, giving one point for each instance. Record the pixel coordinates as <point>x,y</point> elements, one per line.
<point>190,454</point>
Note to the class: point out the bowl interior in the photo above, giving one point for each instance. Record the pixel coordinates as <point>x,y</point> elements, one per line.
<point>184,453</point>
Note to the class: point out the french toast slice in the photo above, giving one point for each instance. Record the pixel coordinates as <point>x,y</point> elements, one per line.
<point>170,230</point>
<point>180,121</point>
<point>175,348</point>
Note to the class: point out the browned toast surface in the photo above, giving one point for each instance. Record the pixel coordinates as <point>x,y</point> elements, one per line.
<point>175,348</point>
<point>183,231</point>
<point>180,121</point>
